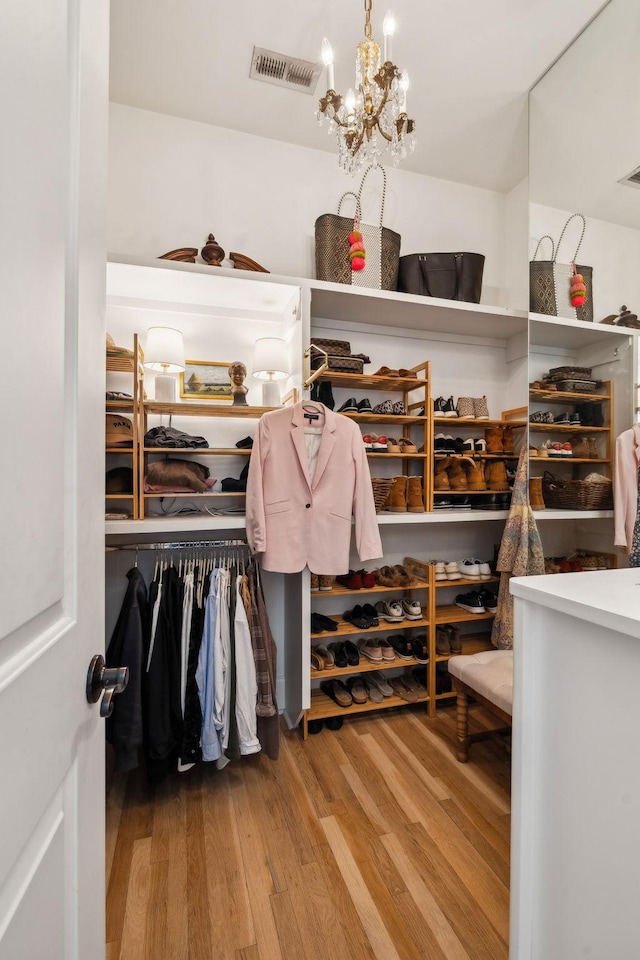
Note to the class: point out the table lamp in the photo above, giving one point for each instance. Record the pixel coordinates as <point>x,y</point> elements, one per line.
<point>164,353</point>
<point>270,364</point>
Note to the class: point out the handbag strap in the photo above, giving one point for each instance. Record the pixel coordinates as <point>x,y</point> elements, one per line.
<point>546,236</point>
<point>356,196</point>
<point>425,276</point>
<point>584,227</point>
<point>384,188</point>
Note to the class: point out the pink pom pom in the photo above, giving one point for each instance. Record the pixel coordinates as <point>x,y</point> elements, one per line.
<point>358,245</point>
<point>357,263</point>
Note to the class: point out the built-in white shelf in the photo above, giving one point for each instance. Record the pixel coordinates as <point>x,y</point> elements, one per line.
<point>569,334</point>
<point>440,516</point>
<point>177,525</point>
<point>550,514</point>
<point>387,308</point>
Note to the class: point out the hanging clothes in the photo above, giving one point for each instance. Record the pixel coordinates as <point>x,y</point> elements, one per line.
<point>625,487</point>
<point>162,710</point>
<point>126,648</point>
<point>205,668</point>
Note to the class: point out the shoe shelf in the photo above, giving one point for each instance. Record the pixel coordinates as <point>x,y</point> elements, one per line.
<point>464,582</point>
<point>188,408</point>
<point>346,629</point>
<point>384,418</point>
<point>470,493</point>
<point>199,451</point>
<point>555,460</point>
<point>565,428</point>
<point>365,666</point>
<point>323,706</point>
<point>118,406</point>
<point>450,613</point>
<point>476,456</point>
<point>362,381</point>
<point>125,450</point>
<point>337,590</point>
<point>475,422</point>
<point>375,454</point>
<point>566,397</point>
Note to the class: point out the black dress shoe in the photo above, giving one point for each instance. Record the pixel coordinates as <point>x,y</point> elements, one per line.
<point>245,444</point>
<point>349,406</point>
<point>339,654</point>
<point>357,618</point>
<point>352,653</point>
<point>369,611</point>
<point>364,406</point>
<point>321,624</point>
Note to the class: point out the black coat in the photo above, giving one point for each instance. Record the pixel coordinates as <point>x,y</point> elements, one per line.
<point>126,649</point>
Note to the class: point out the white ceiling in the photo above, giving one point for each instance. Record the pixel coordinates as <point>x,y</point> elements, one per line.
<point>471,65</point>
<point>576,163</point>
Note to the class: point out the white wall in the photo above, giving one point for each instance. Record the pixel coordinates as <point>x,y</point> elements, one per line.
<point>173,181</point>
<point>613,252</point>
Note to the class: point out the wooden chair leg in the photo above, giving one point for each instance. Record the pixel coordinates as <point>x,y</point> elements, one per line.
<point>462,722</point>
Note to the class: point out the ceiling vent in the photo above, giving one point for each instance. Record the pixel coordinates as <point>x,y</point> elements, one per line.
<point>283,71</point>
<point>632,179</point>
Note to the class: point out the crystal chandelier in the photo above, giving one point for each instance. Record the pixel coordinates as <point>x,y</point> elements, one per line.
<point>374,117</point>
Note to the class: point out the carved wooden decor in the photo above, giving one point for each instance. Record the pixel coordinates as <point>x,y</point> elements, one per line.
<point>182,254</point>
<point>212,253</point>
<point>241,262</point>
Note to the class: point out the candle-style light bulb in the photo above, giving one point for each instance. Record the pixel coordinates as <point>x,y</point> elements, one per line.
<point>404,86</point>
<point>388,29</point>
<point>327,59</point>
<point>350,103</point>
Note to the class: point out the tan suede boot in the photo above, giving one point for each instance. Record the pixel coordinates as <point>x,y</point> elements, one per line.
<point>457,476</point>
<point>475,474</point>
<point>536,500</point>
<point>493,436</point>
<point>415,502</point>
<point>441,479</point>
<point>397,501</point>
<point>497,479</point>
<point>507,440</point>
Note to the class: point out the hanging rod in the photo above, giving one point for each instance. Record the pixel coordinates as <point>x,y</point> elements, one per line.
<point>309,376</point>
<point>180,545</point>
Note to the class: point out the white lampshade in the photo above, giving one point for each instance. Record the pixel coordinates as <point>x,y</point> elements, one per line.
<point>164,350</point>
<point>270,359</point>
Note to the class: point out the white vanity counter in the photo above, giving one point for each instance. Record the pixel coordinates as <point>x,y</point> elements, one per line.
<point>575,890</point>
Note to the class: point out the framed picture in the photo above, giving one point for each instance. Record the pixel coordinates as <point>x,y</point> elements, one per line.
<point>205,380</point>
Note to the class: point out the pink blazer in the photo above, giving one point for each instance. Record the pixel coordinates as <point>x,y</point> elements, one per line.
<point>625,486</point>
<point>294,523</point>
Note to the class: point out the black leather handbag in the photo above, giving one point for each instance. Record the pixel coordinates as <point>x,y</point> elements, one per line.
<point>449,276</point>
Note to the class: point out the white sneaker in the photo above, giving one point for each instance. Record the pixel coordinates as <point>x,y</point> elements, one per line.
<point>452,570</point>
<point>440,569</point>
<point>469,569</point>
<point>485,570</point>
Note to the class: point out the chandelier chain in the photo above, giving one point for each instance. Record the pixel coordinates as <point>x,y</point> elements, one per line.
<point>367,18</point>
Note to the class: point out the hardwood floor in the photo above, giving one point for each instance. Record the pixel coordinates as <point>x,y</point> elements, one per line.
<point>368,842</point>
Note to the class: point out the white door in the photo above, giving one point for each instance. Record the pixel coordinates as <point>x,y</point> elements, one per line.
<point>53,105</point>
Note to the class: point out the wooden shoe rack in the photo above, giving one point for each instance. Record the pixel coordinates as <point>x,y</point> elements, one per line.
<point>115,455</point>
<point>429,592</point>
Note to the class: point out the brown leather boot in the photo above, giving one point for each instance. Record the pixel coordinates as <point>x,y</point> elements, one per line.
<point>497,479</point>
<point>507,440</point>
<point>457,476</point>
<point>493,436</point>
<point>475,474</point>
<point>441,479</point>
<point>397,501</point>
<point>536,500</point>
<point>415,502</point>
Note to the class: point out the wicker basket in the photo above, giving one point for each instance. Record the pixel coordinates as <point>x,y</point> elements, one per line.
<point>576,494</point>
<point>381,491</point>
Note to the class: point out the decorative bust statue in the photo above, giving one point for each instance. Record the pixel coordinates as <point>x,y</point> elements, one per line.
<point>237,373</point>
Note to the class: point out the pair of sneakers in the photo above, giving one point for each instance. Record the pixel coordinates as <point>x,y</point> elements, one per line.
<point>472,569</point>
<point>446,570</point>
